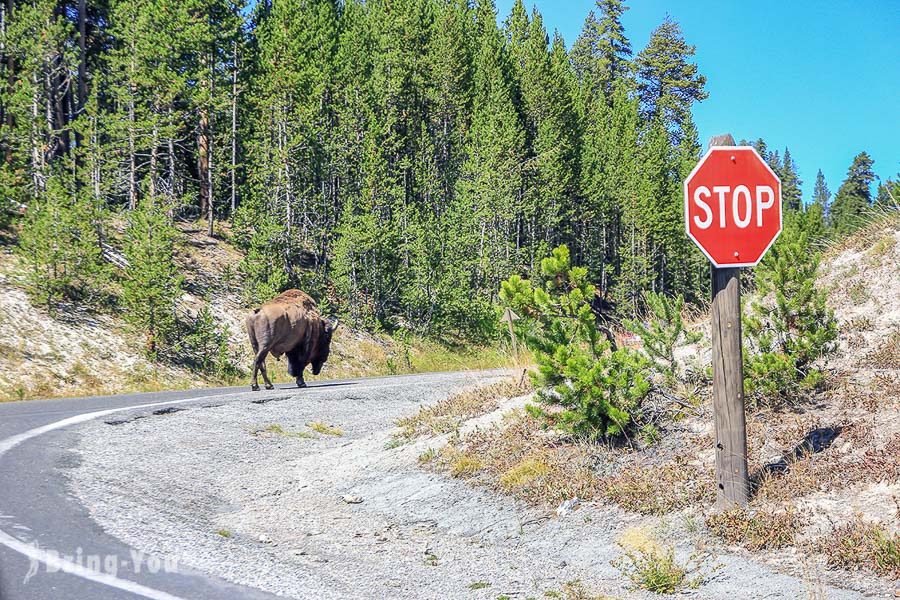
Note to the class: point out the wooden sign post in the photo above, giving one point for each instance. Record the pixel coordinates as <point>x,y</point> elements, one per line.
<point>733,213</point>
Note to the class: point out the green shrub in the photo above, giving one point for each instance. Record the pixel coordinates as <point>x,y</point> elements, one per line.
<point>600,390</point>
<point>152,283</point>
<point>790,327</point>
<point>60,240</point>
<point>205,346</point>
<point>662,332</point>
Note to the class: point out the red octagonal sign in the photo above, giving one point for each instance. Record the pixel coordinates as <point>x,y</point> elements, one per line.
<point>732,206</point>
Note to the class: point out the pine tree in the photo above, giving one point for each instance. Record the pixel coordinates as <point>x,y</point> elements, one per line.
<point>661,332</point>
<point>821,193</point>
<point>889,194</point>
<point>668,83</point>
<point>601,55</point>
<point>548,106</point>
<point>789,335</point>
<point>610,167</point>
<point>61,244</point>
<point>791,194</point>
<point>490,186</point>
<point>816,211</point>
<point>152,284</point>
<point>600,390</point>
<point>854,197</point>
<point>291,190</point>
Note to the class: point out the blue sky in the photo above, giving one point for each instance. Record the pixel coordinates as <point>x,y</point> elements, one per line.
<point>820,77</point>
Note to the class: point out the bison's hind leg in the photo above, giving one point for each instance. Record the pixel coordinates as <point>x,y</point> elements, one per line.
<point>265,374</point>
<point>259,364</point>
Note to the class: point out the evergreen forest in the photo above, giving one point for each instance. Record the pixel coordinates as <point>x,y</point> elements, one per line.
<point>397,159</point>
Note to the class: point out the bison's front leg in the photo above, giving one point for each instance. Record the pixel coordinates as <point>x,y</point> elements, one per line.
<point>300,382</point>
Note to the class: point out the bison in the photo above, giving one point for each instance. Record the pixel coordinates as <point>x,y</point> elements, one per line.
<point>289,324</point>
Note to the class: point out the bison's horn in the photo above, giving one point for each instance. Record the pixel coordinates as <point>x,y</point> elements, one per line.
<point>332,323</point>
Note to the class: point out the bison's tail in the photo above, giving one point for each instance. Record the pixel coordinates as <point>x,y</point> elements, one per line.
<point>251,333</point>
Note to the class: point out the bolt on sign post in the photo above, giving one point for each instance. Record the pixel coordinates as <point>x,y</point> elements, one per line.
<point>732,211</point>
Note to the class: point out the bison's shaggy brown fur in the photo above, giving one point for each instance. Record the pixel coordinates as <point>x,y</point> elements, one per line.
<point>289,324</point>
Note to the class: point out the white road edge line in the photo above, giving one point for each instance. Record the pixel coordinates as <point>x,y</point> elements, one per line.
<point>56,562</point>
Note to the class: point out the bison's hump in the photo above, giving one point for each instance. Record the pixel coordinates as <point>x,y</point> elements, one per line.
<point>294,296</point>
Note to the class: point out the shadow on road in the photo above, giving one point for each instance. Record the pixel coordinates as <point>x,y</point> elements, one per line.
<point>317,385</point>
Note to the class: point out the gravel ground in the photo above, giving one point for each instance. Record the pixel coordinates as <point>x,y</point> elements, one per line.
<point>266,509</point>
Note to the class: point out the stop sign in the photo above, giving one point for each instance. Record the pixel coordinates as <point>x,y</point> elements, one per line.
<point>732,206</point>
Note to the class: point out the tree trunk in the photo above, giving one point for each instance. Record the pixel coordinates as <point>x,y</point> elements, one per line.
<point>95,158</point>
<point>203,159</point>
<point>132,162</point>
<point>234,101</point>
<point>82,49</point>
<point>154,160</point>
<point>10,82</point>
<point>173,174</point>
<point>210,214</point>
<point>37,155</point>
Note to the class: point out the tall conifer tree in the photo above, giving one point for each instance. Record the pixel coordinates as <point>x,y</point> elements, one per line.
<point>854,196</point>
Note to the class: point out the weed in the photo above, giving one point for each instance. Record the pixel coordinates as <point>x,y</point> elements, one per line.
<point>880,248</point>
<point>649,434</point>
<point>431,559</point>
<point>394,442</point>
<point>858,292</point>
<point>524,473</point>
<point>427,456</point>
<point>575,590</point>
<point>860,323</point>
<point>465,465</point>
<point>762,529</point>
<point>448,414</point>
<point>567,468</point>
<point>652,566</point>
<point>888,355</point>
<point>661,489</point>
<point>862,545</point>
<point>324,429</point>
<point>479,585</point>
<point>224,533</point>
<point>277,429</point>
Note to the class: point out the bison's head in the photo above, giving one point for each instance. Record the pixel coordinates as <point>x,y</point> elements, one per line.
<point>323,348</point>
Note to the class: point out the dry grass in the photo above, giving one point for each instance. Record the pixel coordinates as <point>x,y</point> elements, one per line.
<point>887,356</point>
<point>276,429</point>
<point>575,590</point>
<point>859,545</point>
<point>325,429</point>
<point>759,529</point>
<point>657,490</point>
<point>880,223</point>
<point>448,414</point>
<point>465,465</point>
<point>524,474</point>
<point>522,459</point>
<point>880,248</point>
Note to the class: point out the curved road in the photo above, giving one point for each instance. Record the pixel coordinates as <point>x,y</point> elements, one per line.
<point>49,546</point>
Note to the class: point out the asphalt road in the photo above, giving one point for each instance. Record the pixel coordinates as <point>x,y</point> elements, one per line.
<point>49,546</point>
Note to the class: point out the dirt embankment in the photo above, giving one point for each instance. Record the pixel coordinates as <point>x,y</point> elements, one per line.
<point>79,352</point>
